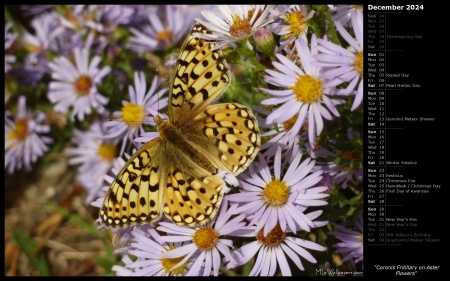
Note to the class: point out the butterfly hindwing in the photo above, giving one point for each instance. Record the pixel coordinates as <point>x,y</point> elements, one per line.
<point>192,199</point>
<point>232,132</point>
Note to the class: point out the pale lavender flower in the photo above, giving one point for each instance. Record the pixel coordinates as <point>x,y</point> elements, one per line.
<point>140,15</point>
<point>147,245</point>
<point>138,111</point>
<point>346,64</point>
<point>9,40</point>
<point>39,44</point>
<point>305,92</point>
<point>352,245</point>
<point>282,135</point>
<point>46,28</point>
<point>342,13</point>
<point>271,250</point>
<point>167,26</point>
<point>81,17</point>
<point>86,19</point>
<point>24,140</point>
<point>113,15</point>
<point>207,242</point>
<point>94,156</point>
<point>271,196</point>
<point>295,25</point>
<point>66,42</point>
<point>234,23</point>
<point>76,86</point>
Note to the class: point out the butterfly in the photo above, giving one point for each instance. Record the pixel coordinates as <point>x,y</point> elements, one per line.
<point>177,172</point>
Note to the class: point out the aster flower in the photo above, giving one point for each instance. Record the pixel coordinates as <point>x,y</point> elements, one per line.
<point>272,200</point>
<point>351,246</point>
<point>77,85</point>
<point>147,246</point>
<point>24,140</point>
<point>87,19</point>
<point>94,156</point>
<point>113,15</point>
<point>207,244</point>
<point>168,25</point>
<point>140,15</point>
<point>46,28</point>
<point>342,13</point>
<point>39,44</point>
<point>138,111</point>
<point>234,24</point>
<point>280,136</point>
<point>81,17</point>
<point>347,64</point>
<point>272,249</point>
<point>66,42</point>
<point>305,91</point>
<point>294,26</point>
<point>9,40</point>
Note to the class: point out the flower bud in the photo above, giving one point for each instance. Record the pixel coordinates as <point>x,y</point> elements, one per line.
<point>265,40</point>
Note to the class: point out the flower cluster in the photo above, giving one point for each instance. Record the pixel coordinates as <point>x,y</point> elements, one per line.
<point>87,81</point>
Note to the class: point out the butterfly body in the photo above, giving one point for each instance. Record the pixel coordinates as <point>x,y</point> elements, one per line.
<point>176,141</point>
<point>177,172</point>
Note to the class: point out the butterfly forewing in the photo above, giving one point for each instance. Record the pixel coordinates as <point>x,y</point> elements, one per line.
<point>136,194</point>
<point>201,76</point>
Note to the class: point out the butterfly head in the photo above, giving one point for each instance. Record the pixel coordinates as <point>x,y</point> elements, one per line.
<point>160,122</point>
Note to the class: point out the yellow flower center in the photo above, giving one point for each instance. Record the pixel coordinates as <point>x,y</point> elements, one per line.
<point>205,238</point>
<point>33,48</point>
<point>297,23</point>
<point>290,123</point>
<point>240,27</point>
<point>107,151</point>
<point>133,114</point>
<point>169,263</point>
<point>20,130</point>
<point>70,16</point>
<point>359,63</point>
<point>276,192</point>
<point>164,35</point>
<point>83,85</point>
<point>308,89</point>
<point>273,238</point>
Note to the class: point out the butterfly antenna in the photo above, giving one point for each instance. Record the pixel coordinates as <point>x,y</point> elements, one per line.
<point>157,75</point>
